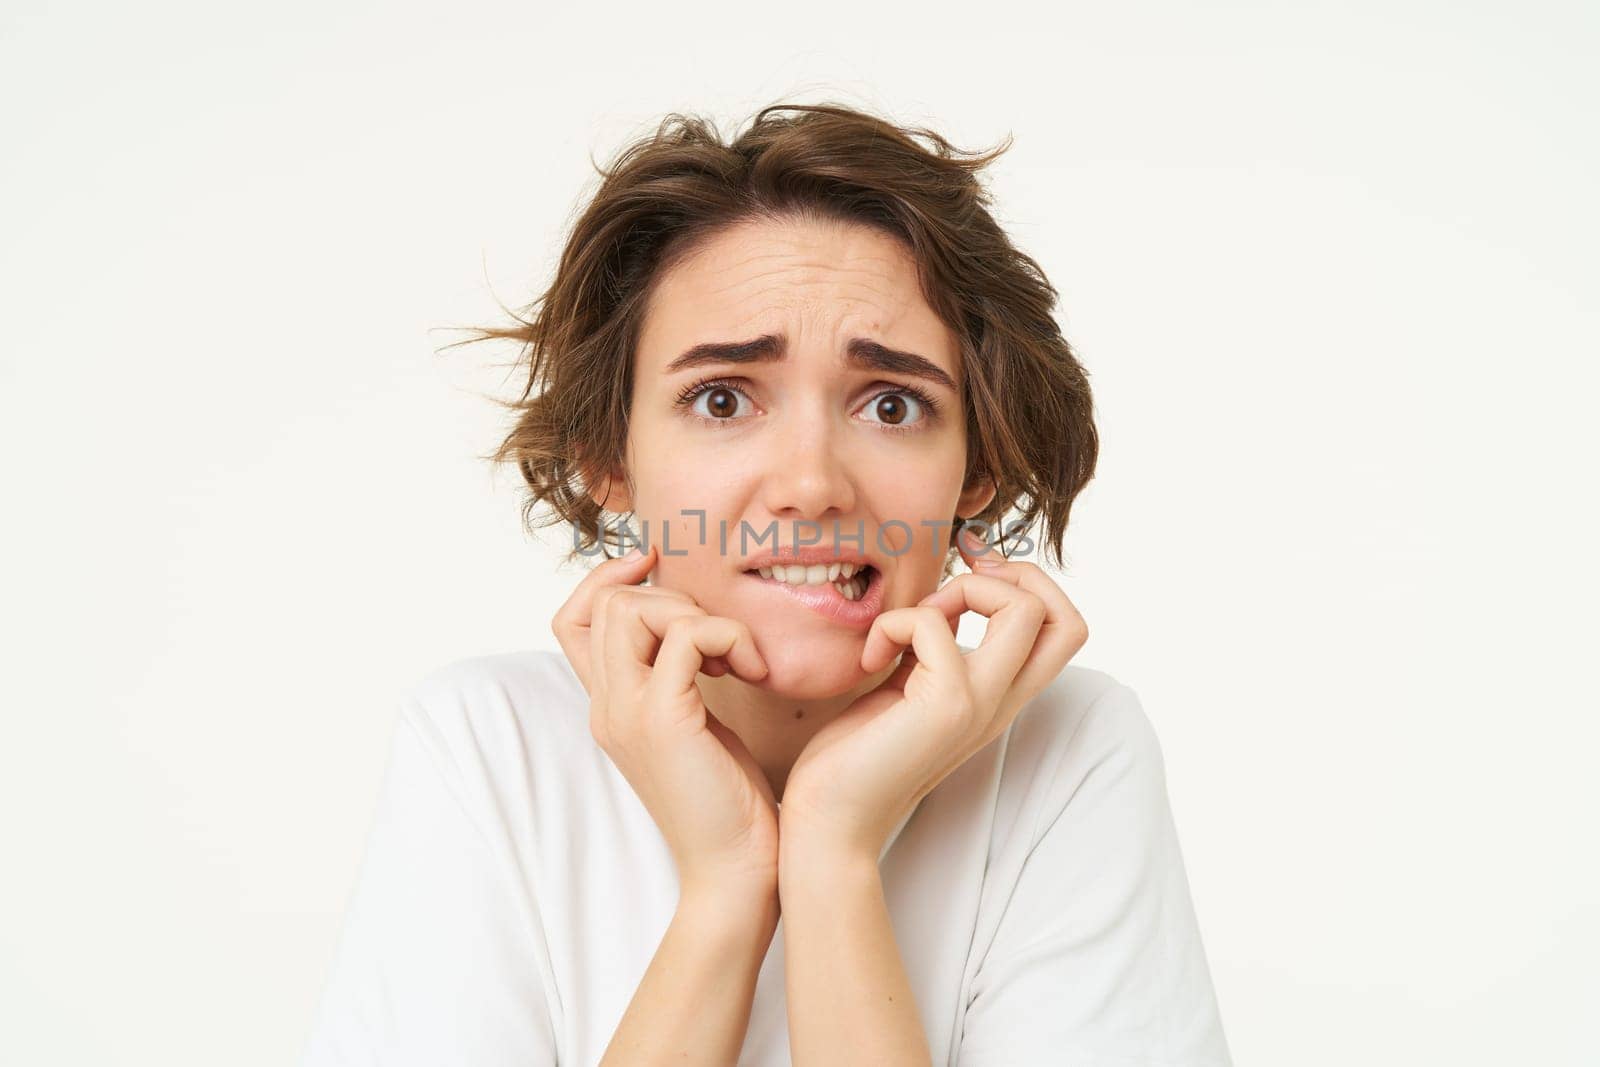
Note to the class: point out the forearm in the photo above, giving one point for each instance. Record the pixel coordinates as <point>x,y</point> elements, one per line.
<point>850,1001</point>
<point>693,1004</point>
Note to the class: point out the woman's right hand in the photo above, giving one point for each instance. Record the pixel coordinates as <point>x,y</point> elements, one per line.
<point>637,650</point>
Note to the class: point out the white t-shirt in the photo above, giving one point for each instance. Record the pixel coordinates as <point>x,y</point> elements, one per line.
<point>514,890</point>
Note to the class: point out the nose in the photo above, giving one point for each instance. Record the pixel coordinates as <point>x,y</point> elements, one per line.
<point>805,476</point>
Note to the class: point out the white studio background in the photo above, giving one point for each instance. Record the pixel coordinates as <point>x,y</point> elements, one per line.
<point>1332,270</point>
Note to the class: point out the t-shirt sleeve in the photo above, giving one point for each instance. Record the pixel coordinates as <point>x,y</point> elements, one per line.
<point>1097,958</point>
<point>439,957</point>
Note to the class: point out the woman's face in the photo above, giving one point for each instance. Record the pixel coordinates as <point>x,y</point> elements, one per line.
<point>830,421</point>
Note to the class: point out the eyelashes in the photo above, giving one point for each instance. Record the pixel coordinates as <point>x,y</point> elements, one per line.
<point>687,397</point>
<point>692,393</point>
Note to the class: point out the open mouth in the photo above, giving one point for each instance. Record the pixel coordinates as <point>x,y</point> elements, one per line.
<point>850,580</point>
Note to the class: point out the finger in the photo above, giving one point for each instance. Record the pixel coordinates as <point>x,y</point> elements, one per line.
<point>952,613</point>
<point>622,570</point>
<point>635,622</point>
<point>1015,617</point>
<point>572,623</point>
<point>601,621</point>
<point>902,673</point>
<point>688,640</point>
<point>925,630</point>
<point>973,548</point>
<point>1062,633</point>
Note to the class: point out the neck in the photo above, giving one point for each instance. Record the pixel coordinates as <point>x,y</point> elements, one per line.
<point>776,728</point>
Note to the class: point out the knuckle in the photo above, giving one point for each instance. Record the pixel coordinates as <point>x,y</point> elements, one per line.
<point>1033,607</point>
<point>1074,624</point>
<point>682,626</point>
<point>617,605</point>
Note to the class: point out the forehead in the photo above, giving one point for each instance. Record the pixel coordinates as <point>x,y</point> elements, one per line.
<point>825,281</point>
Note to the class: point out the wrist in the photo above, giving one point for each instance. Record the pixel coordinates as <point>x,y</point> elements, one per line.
<point>818,837</point>
<point>734,905</point>
<point>807,858</point>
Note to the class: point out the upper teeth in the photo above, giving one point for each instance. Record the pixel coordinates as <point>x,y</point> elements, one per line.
<point>815,574</point>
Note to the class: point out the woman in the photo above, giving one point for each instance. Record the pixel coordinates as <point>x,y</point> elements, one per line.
<point>762,805</point>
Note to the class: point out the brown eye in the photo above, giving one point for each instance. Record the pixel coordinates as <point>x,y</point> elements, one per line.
<point>714,403</point>
<point>890,409</point>
<point>722,403</point>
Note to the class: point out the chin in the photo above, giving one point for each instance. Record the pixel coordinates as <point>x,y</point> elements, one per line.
<point>807,670</point>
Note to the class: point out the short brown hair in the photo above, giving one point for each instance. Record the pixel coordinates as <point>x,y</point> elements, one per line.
<point>1029,412</point>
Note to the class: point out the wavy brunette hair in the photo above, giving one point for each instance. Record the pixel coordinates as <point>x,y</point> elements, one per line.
<point>1027,401</point>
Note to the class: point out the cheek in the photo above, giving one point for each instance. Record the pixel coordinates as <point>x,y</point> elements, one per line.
<point>914,494</point>
<point>672,487</point>
<point>918,572</point>
<point>919,566</point>
<point>692,574</point>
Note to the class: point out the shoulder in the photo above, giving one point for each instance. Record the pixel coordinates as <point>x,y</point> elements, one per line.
<point>496,675</point>
<point>493,707</point>
<point>1085,733</point>
<point>1084,709</point>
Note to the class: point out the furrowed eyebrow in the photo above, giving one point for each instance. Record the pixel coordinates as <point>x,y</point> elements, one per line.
<point>770,348</point>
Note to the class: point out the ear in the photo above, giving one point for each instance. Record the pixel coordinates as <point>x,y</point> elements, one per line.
<point>609,490</point>
<point>976,496</point>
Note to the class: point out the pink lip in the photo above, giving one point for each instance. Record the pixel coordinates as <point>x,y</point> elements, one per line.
<point>827,601</point>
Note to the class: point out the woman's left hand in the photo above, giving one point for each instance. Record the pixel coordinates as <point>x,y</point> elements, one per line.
<point>864,771</point>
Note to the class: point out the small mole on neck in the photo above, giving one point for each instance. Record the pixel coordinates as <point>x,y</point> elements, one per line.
<point>799,714</point>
